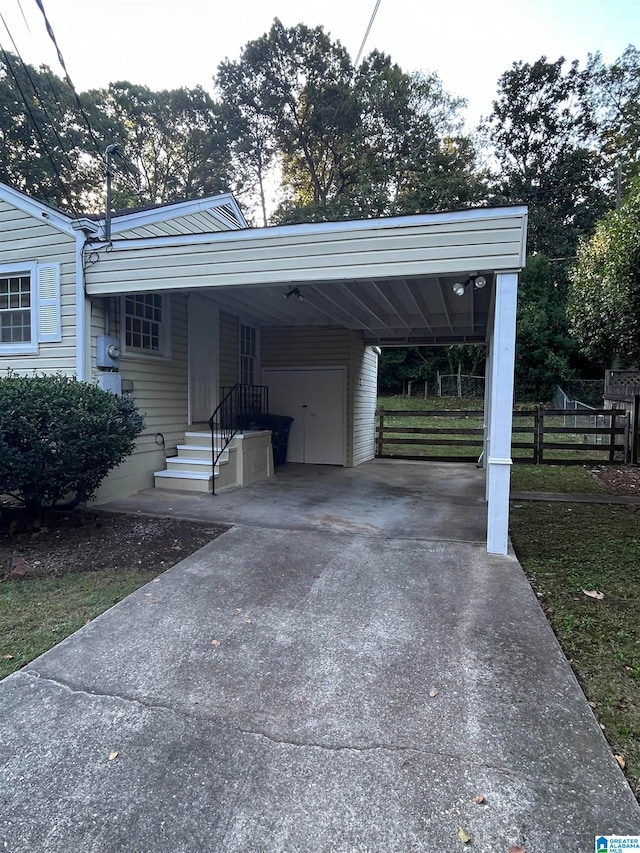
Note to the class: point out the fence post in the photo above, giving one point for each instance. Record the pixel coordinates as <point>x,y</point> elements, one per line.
<point>380,429</point>
<point>635,427</point>
<point>612,436</point>
<point>540,434</point>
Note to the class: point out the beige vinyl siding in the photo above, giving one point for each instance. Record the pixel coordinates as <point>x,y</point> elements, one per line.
<point>26,239</point>
<point>311,346</point>
<point>365,390</point>
<point>160,391</point>
<point>229,349</point>
<point>317,254</point>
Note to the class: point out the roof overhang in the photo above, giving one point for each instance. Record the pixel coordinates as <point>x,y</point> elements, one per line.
<point>390,278</point>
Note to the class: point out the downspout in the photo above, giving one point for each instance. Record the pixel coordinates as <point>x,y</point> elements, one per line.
<point>81,308</point>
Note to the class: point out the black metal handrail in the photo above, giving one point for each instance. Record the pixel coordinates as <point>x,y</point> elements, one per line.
<point>240,408</point>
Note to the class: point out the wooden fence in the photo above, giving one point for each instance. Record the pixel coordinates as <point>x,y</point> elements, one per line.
<point>539,435</point>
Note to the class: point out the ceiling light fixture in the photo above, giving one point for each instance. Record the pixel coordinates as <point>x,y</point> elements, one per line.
<point>293,291</point>
<point>478,281</point>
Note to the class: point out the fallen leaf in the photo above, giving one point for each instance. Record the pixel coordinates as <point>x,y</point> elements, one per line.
<point>113,755</point>
<point>621,760</point>
<point>593,704</point>
<point>463,836</point>
<point>433,693</point>
<point>479,799</point>
<point>515,848</point>
<point>238,609</point>
<point>593,593</point>
<point>7,657</point>
<point>215,642</point>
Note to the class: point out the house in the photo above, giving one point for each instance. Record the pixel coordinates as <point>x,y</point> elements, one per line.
<point>185,299</point>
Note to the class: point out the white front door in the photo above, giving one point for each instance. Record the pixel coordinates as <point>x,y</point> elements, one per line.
<point>315,399</point>
<point>204,358</point>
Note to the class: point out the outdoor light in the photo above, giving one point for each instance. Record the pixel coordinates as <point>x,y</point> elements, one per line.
<point>479,281</point>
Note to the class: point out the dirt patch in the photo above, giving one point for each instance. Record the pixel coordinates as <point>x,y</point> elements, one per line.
<point>86,541</point>
<point>623,480</point>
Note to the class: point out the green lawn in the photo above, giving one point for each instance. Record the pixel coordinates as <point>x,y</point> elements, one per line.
<point>565,549</point>
<point>36,614</point>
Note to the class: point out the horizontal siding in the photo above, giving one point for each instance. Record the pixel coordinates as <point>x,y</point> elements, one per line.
<point>229,349</point>
<point>26,239</point>
<point>160,391</point>
<point>259,258</point>
<point>195,223</point>
<point>365,382</point>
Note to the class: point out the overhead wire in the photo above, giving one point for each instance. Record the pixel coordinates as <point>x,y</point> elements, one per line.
<point>43,106</point>
<point>36,127</point>
<point>68,79</point>
<point>366,35</point>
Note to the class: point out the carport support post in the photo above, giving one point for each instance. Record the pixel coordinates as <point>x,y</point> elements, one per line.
<point>502,346</point>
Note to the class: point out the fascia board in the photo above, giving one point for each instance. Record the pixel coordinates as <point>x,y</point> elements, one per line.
<point>310,228</point>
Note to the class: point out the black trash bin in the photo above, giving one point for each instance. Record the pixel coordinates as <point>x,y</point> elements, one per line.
<point>280,426</point>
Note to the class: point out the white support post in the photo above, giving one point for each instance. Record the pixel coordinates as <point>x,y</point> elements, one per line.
<point>502,363</point>
<point>486,449</point>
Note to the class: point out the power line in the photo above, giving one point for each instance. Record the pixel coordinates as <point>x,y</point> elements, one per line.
<point>366,35</point>
<point>68,79</point>
<point>36,126</point>
<point>37,94</point>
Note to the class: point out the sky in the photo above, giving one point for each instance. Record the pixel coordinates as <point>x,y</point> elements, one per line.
<point>469,43</point>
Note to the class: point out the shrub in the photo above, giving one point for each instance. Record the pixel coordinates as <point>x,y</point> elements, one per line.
<point>59,438</point>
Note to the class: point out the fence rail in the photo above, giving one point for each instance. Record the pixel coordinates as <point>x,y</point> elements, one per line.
<point>540,436</point>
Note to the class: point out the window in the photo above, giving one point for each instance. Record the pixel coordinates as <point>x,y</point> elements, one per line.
<point>29,307</point>
<point>247,354</point>
<point>146,323</point>
<point>15,309</point>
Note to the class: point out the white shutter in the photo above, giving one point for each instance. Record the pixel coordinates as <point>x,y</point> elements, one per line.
<point>49,323</point>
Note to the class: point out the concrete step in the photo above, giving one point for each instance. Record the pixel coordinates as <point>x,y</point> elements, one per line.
<point>184,463</point>
<point>187,481</point>
<point>196,451</point>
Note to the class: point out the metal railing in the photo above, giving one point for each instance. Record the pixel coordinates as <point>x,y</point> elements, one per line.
<point>240,408</point>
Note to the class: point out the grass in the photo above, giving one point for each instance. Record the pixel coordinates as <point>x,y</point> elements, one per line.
<point>554,478</point>
<point>38,613</point>
<point>565,549</point>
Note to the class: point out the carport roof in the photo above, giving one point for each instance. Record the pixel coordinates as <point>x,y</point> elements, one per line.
<point>390,278</point>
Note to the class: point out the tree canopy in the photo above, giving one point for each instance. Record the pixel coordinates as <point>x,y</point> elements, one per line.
<point>604,302</point>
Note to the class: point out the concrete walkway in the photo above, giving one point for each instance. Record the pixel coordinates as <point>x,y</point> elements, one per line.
<point>346,669</point>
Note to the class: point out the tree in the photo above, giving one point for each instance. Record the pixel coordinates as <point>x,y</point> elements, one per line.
<point>175,143</point>
<point>541,134</point>
<point>45,149</point>
<point>613,97</point>
<point>545,354</point>
<point>604,301</point>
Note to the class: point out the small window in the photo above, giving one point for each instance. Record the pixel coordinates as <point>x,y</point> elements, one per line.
<point>247,354</point>
<point>145,323</point>
<point>15,309</point>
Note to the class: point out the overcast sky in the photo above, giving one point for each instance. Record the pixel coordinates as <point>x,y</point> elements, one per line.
<point>469,43</point>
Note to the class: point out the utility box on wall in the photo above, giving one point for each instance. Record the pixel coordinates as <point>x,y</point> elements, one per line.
<point>111,382</point>
<point>107,351</point>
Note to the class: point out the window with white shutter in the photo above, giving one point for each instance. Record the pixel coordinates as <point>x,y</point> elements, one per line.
<point>29,307</point>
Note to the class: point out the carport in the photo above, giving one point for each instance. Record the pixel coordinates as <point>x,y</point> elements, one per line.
<point>434,279</point>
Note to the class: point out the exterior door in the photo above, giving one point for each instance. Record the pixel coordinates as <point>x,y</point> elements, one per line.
<point>204,357</point>
<point>315,399</point>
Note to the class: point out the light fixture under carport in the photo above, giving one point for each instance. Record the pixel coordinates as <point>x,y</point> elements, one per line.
<point>478,281</point>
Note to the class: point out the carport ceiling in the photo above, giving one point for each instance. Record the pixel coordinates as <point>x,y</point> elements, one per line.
<point>390,312</point>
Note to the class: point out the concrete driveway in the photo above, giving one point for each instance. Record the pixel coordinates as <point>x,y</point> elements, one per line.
<point>345,669</point>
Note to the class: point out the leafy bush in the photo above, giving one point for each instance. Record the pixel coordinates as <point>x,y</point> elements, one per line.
<point>59,438</point>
